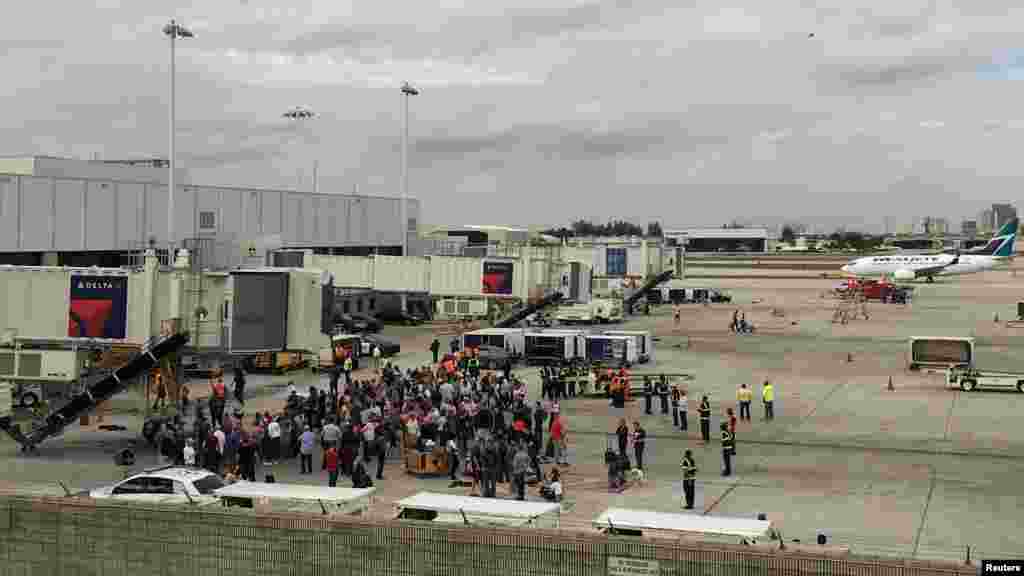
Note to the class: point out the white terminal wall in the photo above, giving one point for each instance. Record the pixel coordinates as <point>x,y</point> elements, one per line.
<point>57,213</point>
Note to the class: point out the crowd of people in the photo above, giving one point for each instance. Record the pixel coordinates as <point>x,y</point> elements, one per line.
<point>484,420</point>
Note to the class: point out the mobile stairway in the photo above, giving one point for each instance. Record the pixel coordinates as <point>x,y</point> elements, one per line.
<point>96,392</point>
<point>521,314</point>
<point>628,303</point>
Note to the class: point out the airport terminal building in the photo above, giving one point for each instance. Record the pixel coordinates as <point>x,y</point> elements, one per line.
<point>720,239</point>
<point>64,212</point>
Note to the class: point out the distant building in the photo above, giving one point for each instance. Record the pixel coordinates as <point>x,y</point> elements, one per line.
<point>720,239</point>
<point>933,226</point>
<point>969,228</point>
<point>67,212</point>
<point>985,222</point>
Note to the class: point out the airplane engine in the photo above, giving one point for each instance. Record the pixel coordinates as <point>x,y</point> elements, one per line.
<point>903,275</point>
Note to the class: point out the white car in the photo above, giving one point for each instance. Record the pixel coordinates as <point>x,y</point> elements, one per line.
<point>167,484</point>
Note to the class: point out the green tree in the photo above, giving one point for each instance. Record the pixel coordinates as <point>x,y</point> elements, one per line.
<point>788,235</point>
<point>654,230</point>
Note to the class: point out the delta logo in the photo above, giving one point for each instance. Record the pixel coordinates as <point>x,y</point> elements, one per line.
<point>95,285</point>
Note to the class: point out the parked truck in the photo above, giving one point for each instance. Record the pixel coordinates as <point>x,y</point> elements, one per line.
<point>597,311</point>
<point>969,378</point>
<point>939,353</point>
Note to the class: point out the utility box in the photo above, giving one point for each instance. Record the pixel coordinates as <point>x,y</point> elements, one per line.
<point>6,399</point>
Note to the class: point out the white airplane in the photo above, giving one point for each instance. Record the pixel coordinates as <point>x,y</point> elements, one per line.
<point>997,252</point>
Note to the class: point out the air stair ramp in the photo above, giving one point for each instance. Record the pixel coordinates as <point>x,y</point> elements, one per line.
<point>628,303</point>
<point>95,392</point>
<point>521,314</point>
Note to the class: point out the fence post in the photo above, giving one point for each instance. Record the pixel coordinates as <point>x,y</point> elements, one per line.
<point>967,561</point>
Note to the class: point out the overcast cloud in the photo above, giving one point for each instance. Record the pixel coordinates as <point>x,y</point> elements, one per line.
<point>694,113</point>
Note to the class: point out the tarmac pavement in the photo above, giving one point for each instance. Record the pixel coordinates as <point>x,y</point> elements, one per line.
<point>916,471</point>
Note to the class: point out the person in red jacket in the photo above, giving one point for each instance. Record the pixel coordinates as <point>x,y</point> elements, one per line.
<point>332,466</point>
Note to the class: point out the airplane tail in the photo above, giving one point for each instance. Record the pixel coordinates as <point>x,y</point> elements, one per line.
<point>989,249</point>
<point>1009,241</point>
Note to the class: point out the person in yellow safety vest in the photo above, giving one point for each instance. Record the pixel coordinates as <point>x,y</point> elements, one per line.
<point>768,397</point>
<point>705,419</point>
<point>689,479</point>
<point>743,397</point>
<point>347,367</point>
<point>728,449</point>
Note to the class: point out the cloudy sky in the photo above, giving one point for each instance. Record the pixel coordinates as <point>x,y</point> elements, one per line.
<point>690,112</point>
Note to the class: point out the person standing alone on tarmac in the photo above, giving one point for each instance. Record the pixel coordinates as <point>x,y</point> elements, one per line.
<point>435,348</point>
<point>768,397</point>
<point>675,406</point>
<point>743,397</point>
<point>689,479</point>
<point>728,449</point>
<point>705,419</point>
<point>622,435</point>
<point>684,405</point>
<point>639,443</point>
<point>648,393</point>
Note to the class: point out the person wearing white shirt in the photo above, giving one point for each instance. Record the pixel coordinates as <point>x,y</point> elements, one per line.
<point>376,357</point>
<point>189,453</point>
<point>683,405</point>
<point>274,444</point>
<point>220,440</point>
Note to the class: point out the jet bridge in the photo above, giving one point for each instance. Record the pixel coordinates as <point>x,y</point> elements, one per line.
<point>95,392</point>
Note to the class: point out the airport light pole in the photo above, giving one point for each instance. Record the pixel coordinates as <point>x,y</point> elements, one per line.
<point>407,91</point>
<point>302,115</point>
<point>173,30</point>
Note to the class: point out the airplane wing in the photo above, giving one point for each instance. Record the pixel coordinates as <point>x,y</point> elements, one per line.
<point>933,270</point>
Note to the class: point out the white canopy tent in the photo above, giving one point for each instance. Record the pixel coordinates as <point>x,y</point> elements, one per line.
<point>683,524</point>
<point>297,497</point>
<point>479,511</point>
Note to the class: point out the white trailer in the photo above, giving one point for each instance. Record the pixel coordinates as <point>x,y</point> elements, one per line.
<point>554,346</point>
<point>452,508</point>
<point>644,343</point>
<point>509,339</point>
<point>630,522</point>
<point>968,379</point>
<point>296,498</point>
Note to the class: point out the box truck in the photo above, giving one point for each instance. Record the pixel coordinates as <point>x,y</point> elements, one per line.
<point>554,346</point>
<point>939,353</point>
<point>611,350</point>
<point>644,343</point>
